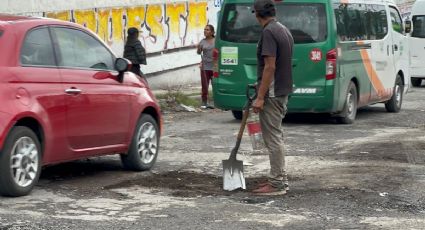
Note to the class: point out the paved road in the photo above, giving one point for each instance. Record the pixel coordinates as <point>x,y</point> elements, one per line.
<point>369,175</point>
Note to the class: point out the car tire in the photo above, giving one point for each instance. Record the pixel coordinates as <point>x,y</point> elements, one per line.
<point>144,146</point>
<point>237,114</point>
<point>348,114</point>
<point>416,81</point>
<point>394,104</point>
<point>20,162</point>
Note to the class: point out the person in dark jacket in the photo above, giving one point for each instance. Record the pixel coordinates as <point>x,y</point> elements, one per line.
<point>134,51</point>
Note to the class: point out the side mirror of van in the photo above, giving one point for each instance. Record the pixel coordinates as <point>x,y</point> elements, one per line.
<point>407,26</point>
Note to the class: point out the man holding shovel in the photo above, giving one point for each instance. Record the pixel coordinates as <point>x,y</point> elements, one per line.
<point>274,55</point>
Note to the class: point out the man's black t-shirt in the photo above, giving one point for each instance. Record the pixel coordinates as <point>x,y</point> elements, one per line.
<point>276,41</point>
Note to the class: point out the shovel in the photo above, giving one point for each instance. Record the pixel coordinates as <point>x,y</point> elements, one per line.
<point>233,177</point>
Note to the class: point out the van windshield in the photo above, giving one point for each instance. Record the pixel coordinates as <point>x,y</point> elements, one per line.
<point>418,26</point>
<point>307,22</point>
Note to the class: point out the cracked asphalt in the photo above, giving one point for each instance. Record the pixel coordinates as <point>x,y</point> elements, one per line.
<point>369,175</point>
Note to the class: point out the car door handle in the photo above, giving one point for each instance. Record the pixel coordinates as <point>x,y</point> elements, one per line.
<point>395,47</point>
<point>73,91</point>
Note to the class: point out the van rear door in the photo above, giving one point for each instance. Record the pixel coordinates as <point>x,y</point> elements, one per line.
<point>308,25</point>
<point>237,41</point>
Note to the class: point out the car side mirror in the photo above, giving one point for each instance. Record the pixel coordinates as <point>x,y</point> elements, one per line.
<point>407,26</point>
<point>121,65</point>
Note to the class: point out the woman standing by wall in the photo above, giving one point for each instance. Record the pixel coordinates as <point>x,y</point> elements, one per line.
<point>205,48</point>
<point>134,51</point>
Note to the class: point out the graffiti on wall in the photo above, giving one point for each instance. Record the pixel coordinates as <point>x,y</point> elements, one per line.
<point>218,3</point>
<point>161,26</point>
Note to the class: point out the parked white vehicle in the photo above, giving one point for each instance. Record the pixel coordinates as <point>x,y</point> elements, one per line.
<point>417,43</point>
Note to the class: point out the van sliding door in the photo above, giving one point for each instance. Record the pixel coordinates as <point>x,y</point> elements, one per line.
<point>382,63</point>
<point>354,49</point>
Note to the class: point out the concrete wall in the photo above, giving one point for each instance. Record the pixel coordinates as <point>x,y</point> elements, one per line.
<point>169,30</point>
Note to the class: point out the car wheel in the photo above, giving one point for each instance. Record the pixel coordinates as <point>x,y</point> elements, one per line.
<point>348,114</point>
<point>144,146</point>
<point>237,114</point>
<point>20,162</point>
<point>394,104</point>
<point>416,81</point>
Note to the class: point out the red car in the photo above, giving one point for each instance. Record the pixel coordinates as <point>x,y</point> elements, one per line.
<point>65,96</point>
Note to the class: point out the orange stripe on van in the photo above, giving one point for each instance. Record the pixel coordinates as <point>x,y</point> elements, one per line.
<point>344,1</point>
<point>371,73</point>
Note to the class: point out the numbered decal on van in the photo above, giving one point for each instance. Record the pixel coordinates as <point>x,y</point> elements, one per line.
<point>229,55</point>
<point>305,91</point>
<point>316,55</point>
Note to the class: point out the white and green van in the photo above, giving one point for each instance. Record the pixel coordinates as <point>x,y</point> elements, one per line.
<point>347,54</point>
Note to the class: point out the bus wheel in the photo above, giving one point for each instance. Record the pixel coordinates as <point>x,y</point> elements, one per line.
<point>416,81</point>
<point>394,104</point>
<point>237,114</point>
<point>348,114</point>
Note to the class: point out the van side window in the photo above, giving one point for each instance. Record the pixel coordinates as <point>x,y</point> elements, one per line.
<point>418,26</point>
<point>396,20</point>
<point>356,22</point>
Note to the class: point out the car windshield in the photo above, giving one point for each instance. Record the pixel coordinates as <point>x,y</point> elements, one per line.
<point>307,22</point>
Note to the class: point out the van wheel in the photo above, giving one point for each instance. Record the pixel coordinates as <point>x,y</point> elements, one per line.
<point>348,114</point>
<point>394,104</point>
<point>144,146</point>
<point>20,162</point>
<point>237,114</point>
<point>416,81</point>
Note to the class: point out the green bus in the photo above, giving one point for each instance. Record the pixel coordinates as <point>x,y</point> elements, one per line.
<point>347,54</point>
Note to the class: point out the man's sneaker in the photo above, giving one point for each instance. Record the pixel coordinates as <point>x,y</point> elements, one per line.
<point>270,190</point>
<point>204,105</point>
<point>210,107</point>
<point>264,183</point>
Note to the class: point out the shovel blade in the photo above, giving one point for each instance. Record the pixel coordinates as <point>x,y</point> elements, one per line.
<point>233,177</point>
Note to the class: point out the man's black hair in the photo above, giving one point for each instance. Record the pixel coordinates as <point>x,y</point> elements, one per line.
<point>268,11</point>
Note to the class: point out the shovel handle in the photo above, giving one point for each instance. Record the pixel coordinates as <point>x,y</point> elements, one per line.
<point>240,134</point>
<point>245,115</point>
<point>251,97</point>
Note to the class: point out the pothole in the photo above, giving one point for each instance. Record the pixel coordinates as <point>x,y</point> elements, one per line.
<point>188,184</point>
